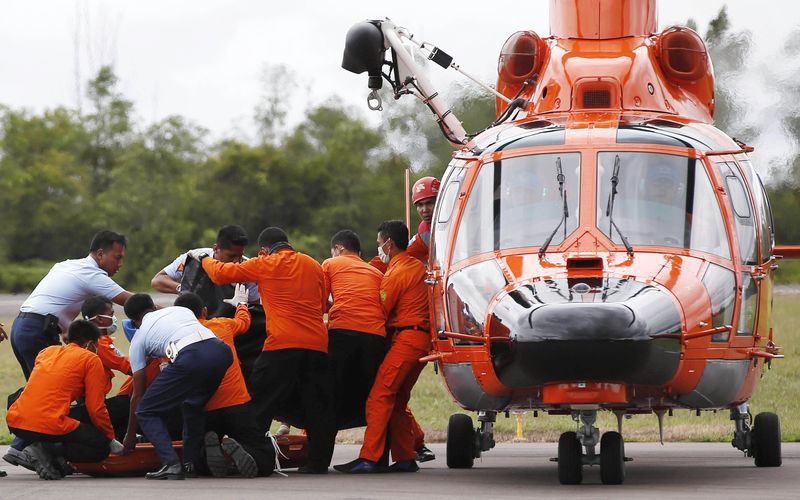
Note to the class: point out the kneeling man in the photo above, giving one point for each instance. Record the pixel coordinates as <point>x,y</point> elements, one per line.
<point>40,417</point>
<point>198,361</point>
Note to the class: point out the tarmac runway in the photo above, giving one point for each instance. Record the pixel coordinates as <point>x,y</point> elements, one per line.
<point>695,470</point>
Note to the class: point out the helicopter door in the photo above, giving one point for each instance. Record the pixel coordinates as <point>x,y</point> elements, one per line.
<point>440,235</point>
<point>764,274</point>
<point>748,270</point>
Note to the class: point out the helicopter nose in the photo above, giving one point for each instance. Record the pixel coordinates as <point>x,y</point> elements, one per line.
<point>598,329</point>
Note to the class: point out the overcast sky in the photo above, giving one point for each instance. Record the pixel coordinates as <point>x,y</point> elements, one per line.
<point>202,59</point>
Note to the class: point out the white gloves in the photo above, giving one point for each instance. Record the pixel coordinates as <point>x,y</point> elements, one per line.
<point>116,447</point>
<point>239,295</point>
<point>197,253</point>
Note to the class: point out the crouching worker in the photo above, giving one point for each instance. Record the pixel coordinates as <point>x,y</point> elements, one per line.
<point>228,412</point>
<point>198,363</point>
<point>62,374</point>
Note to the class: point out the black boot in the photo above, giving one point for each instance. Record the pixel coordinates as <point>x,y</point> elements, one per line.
<point>170,471</point>
<point>189,471</point>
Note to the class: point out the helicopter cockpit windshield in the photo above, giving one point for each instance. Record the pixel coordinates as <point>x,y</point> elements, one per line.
<point>523,199</point>
<point>662,200</point>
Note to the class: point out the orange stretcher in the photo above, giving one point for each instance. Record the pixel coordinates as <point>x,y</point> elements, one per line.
<point>293,453</point>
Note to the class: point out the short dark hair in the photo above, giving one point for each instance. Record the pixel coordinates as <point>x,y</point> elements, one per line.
<point>191,301</point>
<point>93,305</point>
<point>394,230</point>
<point>106,239</point>
<point>138,304</point>
<point>82,332</point>
<point>232,236</point>
<point>270,236</point>
<point>348,239</point>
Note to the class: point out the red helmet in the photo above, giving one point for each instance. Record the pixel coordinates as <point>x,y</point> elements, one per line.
<point>427,187</point>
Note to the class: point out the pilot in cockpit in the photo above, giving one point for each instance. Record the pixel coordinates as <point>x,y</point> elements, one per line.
<point>662,204</point>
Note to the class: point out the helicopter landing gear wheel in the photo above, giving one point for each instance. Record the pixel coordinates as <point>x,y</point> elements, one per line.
<point>612,458</point>
<point>460,442</point>
<point>570,467</point>
<point>766,445</point>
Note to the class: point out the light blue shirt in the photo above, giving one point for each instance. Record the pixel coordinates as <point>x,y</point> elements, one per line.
<point>66,286</point>
<point>158,329</point>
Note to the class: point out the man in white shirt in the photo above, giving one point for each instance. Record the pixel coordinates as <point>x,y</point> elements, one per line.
<point>199,361</point>
<point>229,247</point>
<point>57,299</point>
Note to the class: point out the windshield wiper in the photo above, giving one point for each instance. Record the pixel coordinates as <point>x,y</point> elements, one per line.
<point>564,211</point>
<point>610,207</point>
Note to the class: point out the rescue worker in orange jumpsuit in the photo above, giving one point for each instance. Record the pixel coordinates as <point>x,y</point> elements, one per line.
<point>356,326</point>
<point>404,297</point>
<point>100,311</point>
<point>40,416</point>
<point>294,362</point>
<point>228,412</point>
<point>423,196</point>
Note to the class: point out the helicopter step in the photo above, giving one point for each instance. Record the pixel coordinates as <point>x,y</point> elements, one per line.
<point>571,459</point>
<point>762,442</point>
<point>466,443</point>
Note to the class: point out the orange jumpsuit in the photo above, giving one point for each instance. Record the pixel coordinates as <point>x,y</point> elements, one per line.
<point>404,297</point>
<point>112,359</point>
<point>61,375</point>
<point>232,390</point>
<point>292,298</point>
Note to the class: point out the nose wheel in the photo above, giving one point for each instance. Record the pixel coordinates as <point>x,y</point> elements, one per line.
<point>571,459</point>
<point>762,441</point>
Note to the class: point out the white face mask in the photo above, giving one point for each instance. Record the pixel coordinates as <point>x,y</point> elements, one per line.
<point>109,329</point>
<point>383,255</point>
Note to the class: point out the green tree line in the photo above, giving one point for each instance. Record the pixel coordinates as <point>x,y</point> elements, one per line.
<point>66,173</point>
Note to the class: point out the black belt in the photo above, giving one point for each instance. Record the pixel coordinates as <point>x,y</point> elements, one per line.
<point>31,315</point>
<point>395,329</point>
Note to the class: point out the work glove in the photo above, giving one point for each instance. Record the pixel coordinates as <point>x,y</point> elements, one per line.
<point>239,295</point>
<point>197,253</point>
<point>116,447</point>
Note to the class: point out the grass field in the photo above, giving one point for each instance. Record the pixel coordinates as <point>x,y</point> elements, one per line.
<point>779,391</point>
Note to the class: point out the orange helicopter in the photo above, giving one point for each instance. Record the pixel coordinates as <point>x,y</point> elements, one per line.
<point>601,245</point>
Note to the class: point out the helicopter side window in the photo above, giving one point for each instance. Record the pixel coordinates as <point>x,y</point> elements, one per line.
<point>441,228</point>
<point>661,200</point>
<point>474,233</point>
<point>747,310</point>
<point>742,211</point>
<point>763,209</point>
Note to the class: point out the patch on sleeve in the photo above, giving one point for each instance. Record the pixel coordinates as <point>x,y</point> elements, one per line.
<point>383,295</point>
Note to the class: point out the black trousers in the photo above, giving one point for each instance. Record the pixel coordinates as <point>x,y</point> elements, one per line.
<point>239,423</point>
<point>83,445</point>
<point>29,335</point>
<point>118,407</point>
<point>287,380</point>
<point>354,358</point>
<point>187,383</point>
